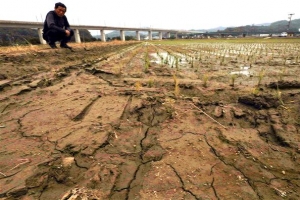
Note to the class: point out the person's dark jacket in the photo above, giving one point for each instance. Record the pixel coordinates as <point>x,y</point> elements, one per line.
<point>53,21</point>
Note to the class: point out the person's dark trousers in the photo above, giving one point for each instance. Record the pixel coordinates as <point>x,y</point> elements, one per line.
<point>53,35</point>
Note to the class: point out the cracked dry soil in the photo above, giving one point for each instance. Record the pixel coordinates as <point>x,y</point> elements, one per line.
<point>94,124</point>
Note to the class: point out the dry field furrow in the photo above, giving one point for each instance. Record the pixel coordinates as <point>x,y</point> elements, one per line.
<point>199,119</point>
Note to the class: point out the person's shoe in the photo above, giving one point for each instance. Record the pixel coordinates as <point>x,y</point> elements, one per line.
<point>53,45</point>
<point>65,46</point>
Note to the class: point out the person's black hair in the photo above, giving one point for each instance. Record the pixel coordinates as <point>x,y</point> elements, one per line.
<point>61,5</point>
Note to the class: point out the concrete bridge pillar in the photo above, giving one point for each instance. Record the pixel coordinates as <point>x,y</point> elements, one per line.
<point>150,35</point>
<point>122,35</point>
<point>176,35</point>
<point>77,36</point>
<point>40,32</point>
<point>138,36</point>
<point>160,35</point>
<point>168,35</point>
<point>103,39</point>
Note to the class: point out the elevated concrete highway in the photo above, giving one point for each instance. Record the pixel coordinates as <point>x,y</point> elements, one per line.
<point>76,28</point>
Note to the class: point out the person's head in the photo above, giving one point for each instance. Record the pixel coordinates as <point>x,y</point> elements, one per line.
<point>60,9</point>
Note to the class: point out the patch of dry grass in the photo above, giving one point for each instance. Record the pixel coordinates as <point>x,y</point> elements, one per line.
<point>86,45</point>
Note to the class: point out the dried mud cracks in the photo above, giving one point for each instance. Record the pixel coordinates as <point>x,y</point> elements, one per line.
<point>91,131</point>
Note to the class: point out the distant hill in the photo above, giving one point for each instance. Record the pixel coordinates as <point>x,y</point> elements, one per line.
<point>275,27</point>
<point>19,36</point>
<point>9,36</point>
<point>294,25</point>
<point>116,34</point>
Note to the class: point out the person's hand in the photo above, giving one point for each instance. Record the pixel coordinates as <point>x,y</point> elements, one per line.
<point>67,33</point>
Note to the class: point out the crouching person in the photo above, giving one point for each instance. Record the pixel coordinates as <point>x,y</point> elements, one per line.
<point>57,27</point>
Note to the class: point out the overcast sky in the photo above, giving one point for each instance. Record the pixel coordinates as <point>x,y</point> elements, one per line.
<point>167,14</point>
